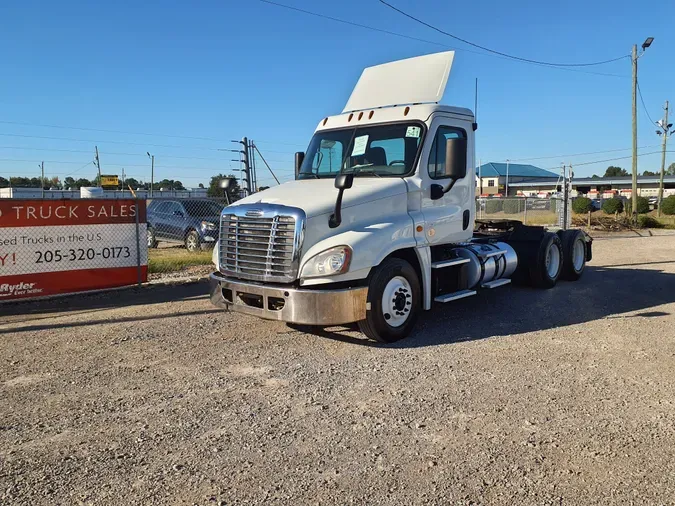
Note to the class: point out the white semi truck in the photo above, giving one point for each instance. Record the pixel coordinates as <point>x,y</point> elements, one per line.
<point>379,223</point>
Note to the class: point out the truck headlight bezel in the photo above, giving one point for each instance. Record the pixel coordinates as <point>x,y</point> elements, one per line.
<point>330,262</point>
<point>209,225</point>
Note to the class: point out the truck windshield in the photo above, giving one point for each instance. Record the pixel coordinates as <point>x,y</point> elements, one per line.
<point>379,150</point>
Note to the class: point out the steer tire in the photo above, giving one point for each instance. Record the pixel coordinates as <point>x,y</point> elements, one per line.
<point>400,279</point>
<point>574,254</point>
<point>542,273</point>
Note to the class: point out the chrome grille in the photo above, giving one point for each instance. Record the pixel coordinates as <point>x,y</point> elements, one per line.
<point>262,246</point>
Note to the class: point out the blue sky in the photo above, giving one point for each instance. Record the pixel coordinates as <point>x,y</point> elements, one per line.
<point>210,71</point>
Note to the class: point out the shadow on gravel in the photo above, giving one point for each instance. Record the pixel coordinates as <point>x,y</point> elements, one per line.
<point>600,293</point>
<point>148,294</point>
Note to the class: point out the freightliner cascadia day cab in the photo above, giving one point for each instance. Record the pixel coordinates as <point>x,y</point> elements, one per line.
<point>379,223</point>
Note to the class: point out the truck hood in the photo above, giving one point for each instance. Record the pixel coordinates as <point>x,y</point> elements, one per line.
<point>317,196</point>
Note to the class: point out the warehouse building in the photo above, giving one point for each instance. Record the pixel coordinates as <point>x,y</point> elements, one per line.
<point>493,178</point>
<point>597,187</point>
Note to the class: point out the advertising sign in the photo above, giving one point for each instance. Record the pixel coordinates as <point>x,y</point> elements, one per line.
<point>65,246</point>
<point>109,180</point>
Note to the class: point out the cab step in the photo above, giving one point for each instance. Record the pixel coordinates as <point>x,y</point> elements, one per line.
<point>496,283</point>
<point>441,264</point>
<point>448,297</point>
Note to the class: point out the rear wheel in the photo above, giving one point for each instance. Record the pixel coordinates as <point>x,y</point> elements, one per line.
<point>192,241</point>
<point>546,269</point>
<point>394,296</point>
<point>574,254</point>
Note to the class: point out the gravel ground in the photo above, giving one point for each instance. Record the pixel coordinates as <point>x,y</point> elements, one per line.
<point>515,396</point>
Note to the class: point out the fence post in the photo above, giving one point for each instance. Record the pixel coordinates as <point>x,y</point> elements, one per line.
<point>525,217</point>
<point>589,217</point>
<point>138,244</point>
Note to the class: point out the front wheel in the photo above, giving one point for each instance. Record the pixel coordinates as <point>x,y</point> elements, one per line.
<point>152,238</point>
<point>394,296</point>
<point>192,241</point>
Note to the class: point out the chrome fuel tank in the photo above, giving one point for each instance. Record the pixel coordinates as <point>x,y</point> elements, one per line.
<point>487,262</point>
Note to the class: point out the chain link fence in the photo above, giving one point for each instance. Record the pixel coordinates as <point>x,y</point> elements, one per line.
<point>181,235</point>
<point>554,211</point>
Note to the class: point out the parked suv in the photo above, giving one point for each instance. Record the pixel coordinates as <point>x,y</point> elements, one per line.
<point>191,222</point>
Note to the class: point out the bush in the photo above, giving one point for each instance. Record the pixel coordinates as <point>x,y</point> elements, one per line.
<point>668,205</point>
<point>493,206</point>
<point>582,205</point>
<point>612,206</point>
<point>645,221</point>
<point>642,205</point>
<point>514,206</point>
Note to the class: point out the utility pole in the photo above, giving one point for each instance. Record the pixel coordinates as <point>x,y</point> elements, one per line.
<point>122,178</point>
<point>98,166</point>
<point>254,172</point>
<point>506,185</point>
<point>42,179</point>
<point>243,153</point>
<point>633,193</point>
<point>634,59</point>
<point>665,131</point>
<point>152,171</point>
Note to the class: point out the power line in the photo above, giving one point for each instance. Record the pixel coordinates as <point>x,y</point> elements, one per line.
<point>578,154</point>
<point>107,142</point>
<point>506,55</point>
<point>643,104</point>
<point>612,159</point>
<point>439,44</point>
<point>29,148</point>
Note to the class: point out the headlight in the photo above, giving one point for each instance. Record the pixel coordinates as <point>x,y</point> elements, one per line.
<point>207,225</point>
<point>328,263</point>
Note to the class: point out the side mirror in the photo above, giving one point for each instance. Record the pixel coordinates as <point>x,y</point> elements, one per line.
<point>225,183</point>
<point>299,158</point>
<point>455,158</point>
<point>344,181</point>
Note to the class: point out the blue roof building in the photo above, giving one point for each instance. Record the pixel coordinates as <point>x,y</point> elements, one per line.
<point>492,177</point>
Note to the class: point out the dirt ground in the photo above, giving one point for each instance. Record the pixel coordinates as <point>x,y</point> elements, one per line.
<point>515,396</point>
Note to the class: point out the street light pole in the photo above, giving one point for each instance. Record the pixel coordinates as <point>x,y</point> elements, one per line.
<point>506,183</point>
<point>634,59</point>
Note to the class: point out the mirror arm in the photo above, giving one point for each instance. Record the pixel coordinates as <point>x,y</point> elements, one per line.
<point>452,183</point>
<point>336,218</point>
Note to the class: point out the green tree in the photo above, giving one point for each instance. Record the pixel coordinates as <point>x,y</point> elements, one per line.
<point>649,173</point>
<point>613,171</point>
<point>68,182</point>
<point>215,190</point>
<point>133,182</point>
<point>4,183</point>
<point>582,205</point>
<point>671,169</point>
<point>82,182</point>
<point>595,176</point>
<point>201,185</point>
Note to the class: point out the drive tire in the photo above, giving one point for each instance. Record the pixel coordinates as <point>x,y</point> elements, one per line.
<point>192,242</point>
<point>151,237</point>
<point>574,254</point>
<point>388,321</point>
<point>547,266</point>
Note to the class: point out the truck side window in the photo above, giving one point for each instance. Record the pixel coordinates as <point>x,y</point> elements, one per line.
<point>436,164</point>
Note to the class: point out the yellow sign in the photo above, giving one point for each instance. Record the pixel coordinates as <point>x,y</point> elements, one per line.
<point>109,180</point>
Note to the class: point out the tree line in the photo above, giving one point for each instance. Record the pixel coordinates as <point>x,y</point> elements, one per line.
<point>613,171</point>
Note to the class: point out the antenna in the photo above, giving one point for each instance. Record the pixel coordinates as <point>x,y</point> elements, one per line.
<point>475,108</point>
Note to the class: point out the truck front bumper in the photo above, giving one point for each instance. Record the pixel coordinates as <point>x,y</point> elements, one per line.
<point>307,307</point>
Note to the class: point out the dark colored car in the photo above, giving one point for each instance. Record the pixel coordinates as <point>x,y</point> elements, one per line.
<point>192,222</point>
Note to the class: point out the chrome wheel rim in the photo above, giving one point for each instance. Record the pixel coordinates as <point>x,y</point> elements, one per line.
<point>578,255</point>
<point>397,301</point>
<point>150,238</point>
<point>191,243</point>
<point>553,260</point>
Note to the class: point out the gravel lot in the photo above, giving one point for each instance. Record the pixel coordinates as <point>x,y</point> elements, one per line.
<point>515,396</point>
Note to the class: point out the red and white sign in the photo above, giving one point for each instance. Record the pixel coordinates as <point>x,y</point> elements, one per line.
<point>66,246</point>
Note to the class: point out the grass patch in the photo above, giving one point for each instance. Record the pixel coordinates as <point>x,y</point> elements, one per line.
<point>175,259</point>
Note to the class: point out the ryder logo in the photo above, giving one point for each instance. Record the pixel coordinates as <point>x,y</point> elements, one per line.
<point>20,288</point>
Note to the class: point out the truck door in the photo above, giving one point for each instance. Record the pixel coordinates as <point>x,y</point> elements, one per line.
<point>449,219</point>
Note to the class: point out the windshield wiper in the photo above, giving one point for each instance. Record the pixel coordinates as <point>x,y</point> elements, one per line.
<point>359,169</point>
